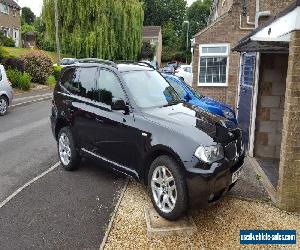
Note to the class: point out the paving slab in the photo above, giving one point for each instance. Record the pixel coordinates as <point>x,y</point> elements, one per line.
<point>158,226</point>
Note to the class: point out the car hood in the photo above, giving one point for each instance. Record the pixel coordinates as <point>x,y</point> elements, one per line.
<point>212,102</point>
<point>190,120</point>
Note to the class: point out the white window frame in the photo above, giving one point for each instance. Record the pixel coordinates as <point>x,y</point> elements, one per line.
<point>226,54</point>
<point>2,8</point>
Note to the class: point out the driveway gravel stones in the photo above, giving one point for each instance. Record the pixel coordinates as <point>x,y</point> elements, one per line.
<point>218,226</point>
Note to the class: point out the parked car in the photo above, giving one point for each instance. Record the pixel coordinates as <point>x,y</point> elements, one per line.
<point>6,92</point>
<point>153,64</point>
<point>186,73</point>
<point>188,94</point>
<point>168,70</point>
<point>129,117</point>
<point>173,64</point>
<point>67,61</point>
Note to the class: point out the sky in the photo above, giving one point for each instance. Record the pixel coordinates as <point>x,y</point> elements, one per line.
<point>36,5</point>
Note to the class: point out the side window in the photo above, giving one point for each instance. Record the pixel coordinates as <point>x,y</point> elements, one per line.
<point>109,87</point>
<point>70,80</point>
<point>87,82</point>
<point>180,90</point>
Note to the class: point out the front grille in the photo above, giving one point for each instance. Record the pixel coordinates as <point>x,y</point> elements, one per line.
<point>234,149</point>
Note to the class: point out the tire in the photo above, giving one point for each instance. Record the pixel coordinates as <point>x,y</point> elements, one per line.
<point>3,105</point>
<point>67,152</point>
<point>171,203</point>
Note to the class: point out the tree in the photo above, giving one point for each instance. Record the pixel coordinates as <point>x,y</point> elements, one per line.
<point>28,16</point>
<point>108,29</point>
<point>159,12</point>
<point>197,15</point>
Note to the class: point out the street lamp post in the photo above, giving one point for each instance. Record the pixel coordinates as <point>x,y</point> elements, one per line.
<point>187,39</point>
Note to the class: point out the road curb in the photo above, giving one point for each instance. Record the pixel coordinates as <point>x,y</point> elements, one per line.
<point>113,215</point>
<point>31,101</point>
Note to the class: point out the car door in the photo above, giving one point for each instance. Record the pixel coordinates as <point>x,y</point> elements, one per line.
<point>116,140</point>
<point>79,102</point>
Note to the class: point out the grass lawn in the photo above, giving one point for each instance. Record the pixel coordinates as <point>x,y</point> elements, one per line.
<point>17,52</point>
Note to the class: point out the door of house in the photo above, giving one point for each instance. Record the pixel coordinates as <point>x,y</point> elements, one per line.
<point>246,93</point>
<point>16,37</point>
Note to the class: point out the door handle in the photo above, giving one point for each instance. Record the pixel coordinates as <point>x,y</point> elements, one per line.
<point>98,120</point>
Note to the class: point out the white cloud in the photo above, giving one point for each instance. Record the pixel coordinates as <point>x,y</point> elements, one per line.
<point>34,5</point>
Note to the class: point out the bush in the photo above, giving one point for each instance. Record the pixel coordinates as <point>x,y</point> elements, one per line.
<point>3,53</point>
<point>56,72</point>
<point>6,41</point>
<point>19,79</point>
<point>13,63</point>
<point>38,65</point>
<point>51,81</point>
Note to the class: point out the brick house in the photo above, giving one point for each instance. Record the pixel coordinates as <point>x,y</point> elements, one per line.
<point>153,35</point>
<point>258,85</point>
<point>10,20</point>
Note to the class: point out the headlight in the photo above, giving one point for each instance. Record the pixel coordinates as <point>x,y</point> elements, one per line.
<point>228,114</point>
<point>210,154</point>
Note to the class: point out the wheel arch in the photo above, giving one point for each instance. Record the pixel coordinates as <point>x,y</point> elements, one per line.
<point>157,151</point>
<point>60,123</point>
<point>5,96</point>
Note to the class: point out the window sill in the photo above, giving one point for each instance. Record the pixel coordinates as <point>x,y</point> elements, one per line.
<point>212,84</point>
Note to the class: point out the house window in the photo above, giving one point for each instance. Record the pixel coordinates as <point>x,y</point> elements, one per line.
<point>213,66</point>
<point>4,8</point>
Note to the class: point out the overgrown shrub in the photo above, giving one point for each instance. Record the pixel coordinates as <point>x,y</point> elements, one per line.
<point>6,41</point>
<point>13,63</point>
<point>19,79</point>
<point>51,81</point>
<point>3,53</point>
<point>39,65</point>
<point>56,71</point>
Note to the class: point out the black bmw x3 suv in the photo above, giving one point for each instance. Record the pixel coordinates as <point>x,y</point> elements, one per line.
<point>128,116</point>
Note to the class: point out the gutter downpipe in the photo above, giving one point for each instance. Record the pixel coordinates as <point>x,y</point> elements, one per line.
<point>258,15</point>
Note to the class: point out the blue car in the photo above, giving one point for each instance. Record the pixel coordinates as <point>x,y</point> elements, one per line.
<point>188,94</point>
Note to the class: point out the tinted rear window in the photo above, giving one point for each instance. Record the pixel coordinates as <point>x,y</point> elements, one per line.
<point>80,81</point>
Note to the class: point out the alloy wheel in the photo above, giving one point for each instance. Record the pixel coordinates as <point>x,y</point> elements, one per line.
<point>164,189</point>
<point>64,149</point>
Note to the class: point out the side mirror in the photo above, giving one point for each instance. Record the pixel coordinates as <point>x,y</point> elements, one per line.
<point>119,104</point>
<point>187,97</point>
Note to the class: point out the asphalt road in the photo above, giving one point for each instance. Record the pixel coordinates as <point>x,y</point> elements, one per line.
<point>60,210</point>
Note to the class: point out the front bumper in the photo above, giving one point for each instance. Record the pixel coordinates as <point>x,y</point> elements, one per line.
<point>208,185</point>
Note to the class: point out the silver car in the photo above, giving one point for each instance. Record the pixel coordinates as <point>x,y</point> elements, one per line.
<point>6,92</point>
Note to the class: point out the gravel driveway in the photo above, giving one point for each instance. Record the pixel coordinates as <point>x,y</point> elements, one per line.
<point>218,226</point>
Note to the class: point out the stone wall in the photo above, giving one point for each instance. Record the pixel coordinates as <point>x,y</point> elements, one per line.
<point>289,171</point>
<point>271,96</point>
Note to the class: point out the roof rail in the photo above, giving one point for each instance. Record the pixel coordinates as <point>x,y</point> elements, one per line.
<point>137,63</point>
<point>97,60</point>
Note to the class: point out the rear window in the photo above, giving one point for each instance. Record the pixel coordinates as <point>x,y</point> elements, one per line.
<point>81,81</point>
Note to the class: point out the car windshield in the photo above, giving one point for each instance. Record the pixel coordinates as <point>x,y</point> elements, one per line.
<point>149,89</point>
<point>193,91</point>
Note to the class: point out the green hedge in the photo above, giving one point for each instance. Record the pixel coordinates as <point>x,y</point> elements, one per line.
<point>56,71</point>
<point>19,79</point>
